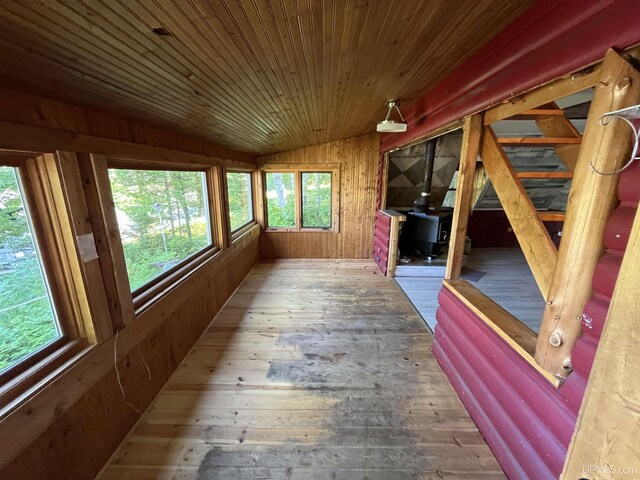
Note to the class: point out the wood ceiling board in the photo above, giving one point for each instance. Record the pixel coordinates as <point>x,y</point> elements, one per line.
<point>261,76</point>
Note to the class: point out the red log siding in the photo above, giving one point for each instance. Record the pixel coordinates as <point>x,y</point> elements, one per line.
<point>526,421</point>
<point>616,237</point>
<point>500,235</point>
<point>381,233</point>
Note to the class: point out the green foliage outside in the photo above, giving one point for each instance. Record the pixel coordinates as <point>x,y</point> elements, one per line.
<point>27,321</point>
<point>316,199</point>
<point>239,191</point>
<point>281,201</point>
<point>162,216</point>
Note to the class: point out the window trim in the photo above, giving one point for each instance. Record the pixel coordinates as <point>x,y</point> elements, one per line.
<point>298,170</point>
<point>158,287</point>
<point>45,198</point>
<point>245,227</point>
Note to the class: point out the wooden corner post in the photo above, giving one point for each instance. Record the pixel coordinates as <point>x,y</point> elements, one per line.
<point>471,138</point>
<point>591,199</point>
<point>102,214</point>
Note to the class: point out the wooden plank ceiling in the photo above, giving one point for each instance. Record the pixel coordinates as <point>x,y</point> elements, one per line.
<point>259,76</point>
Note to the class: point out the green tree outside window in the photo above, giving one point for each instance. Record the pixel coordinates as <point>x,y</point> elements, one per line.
<point>27,316</point>
<point>281,201</point>
<point>163,219</point>
<point>240,199</point>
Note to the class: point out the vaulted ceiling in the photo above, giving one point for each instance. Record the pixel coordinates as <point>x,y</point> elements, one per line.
<point>255,75</point>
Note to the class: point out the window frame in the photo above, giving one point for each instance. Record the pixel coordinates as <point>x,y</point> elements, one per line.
<point>314,227</point>
<point>298,170</point>
<point>151,292</point>
<point>45,199</point>
<point>253,188</point>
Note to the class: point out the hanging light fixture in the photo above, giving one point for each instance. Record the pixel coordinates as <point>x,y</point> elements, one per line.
<point>388,125</point>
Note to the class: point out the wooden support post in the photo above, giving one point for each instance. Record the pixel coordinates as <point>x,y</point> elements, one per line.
<point>591,199</point>
<point>534,239</point>
<point>394,238</point>
<point>258,198</point>
<point>99,316</point>
<point>471,139</point>
<point>607,435</point>
<point>95,179</point>
<point>219,206</point>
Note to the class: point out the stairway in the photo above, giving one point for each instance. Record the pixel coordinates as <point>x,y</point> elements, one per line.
<point>558,132</point>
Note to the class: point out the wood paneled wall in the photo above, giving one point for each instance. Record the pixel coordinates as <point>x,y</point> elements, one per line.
<point>358,159</point>
<point>81,439</point>
<point>70,427</point>
<point>56,122</point>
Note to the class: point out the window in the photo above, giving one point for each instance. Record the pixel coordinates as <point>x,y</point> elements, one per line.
<point>163,218</point>
<point>302,199</point>
<point>240,200</point>
<point>316,200</point>
<point>281,202</point>
<point>44,315</point>
<point>27,316</point>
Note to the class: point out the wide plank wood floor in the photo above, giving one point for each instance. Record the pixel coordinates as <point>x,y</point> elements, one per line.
<point>315,369</point>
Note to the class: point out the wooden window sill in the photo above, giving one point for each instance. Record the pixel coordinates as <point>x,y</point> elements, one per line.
<point>515,333</point>
<point>49,363</point>
<point>151,293</point>
<point>300,230</point>
<point>241,231</point>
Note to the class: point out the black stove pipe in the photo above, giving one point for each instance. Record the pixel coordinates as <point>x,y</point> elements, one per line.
<point>421,204</point>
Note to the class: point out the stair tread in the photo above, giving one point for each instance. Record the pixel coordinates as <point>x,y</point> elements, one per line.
<point>542,175</point>
<point>537,112</point>
<point>538,141</point>
<point>551,215</point>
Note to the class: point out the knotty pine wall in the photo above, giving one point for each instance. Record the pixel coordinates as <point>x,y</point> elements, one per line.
<point>69,428</point>
<point>81,437</point>
<point>358,159</point>
<point>69,125</point>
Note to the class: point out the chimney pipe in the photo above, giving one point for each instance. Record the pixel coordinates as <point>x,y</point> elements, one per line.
<point>421,204</point>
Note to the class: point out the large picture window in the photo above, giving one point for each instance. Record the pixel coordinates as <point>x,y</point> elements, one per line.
<point>301,199</point>
<point>44,316</point>
<point>27,316</point>
<point>163,218</point>
<point>240,200</point>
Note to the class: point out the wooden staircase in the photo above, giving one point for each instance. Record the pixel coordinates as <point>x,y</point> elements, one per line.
<point>527,222</point>
<point>557,132</point>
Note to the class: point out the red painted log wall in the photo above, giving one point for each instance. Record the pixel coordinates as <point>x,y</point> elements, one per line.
<point>616,237</point>
<point>500,235</point>
<point>526,421</point>
<point>381,232</point>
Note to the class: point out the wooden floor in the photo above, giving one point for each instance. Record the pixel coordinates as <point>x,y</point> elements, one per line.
<point>315,369</point>
<point>507,280</point>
